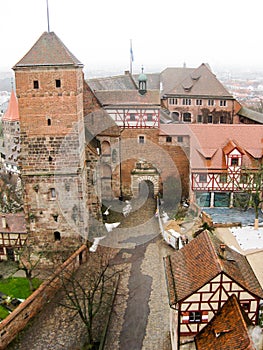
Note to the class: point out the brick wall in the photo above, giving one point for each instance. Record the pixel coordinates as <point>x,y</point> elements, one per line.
<point>19,318</point>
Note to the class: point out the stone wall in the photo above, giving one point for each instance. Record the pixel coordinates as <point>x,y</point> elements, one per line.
<point>19,318</point>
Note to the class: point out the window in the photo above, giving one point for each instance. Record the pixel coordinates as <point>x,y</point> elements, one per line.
<point>36,84</point>
<point>175,116</point>
<point>199,102</point>
<point>141,139</point>
<point>187,101</point>
<point>222,119</point>
<point>173,101</point>
<point>210,119</point>
<point>199,118</point>
<point>195,316</point>
<point>50,159</point>
<point>187,117</point>
<point>52,193</point>
<point>57,236</point>
<point>168,139</point>
<point>180,139</point>
<point>222,103</point>
<point>202,177</point>
<point>132,117</point>
<point>223,178</point>
<point>149,117</point>
<point>58,83</point>
<point>234,161</point>
<point>210,102</point>
<point>48,121</point>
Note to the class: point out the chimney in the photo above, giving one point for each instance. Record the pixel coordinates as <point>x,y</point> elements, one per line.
<point>4,225</point>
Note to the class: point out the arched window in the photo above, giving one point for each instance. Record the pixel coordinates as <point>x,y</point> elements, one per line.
<point>57,236</point>
<point>175,116</point>
<point>105,148</point>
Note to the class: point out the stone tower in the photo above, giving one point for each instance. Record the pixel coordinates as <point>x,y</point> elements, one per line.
<point>49,88</point>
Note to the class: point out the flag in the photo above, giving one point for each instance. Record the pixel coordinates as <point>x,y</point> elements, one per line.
<point>131,52</point>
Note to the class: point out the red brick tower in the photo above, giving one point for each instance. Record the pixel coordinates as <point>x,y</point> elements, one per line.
<point>49,87</point>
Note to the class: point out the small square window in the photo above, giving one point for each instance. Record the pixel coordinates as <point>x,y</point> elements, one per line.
<point>223,178</point>
<point>58,83</point>
<point>141,139</point>
<point>199,118</point>
<point>132,117</point>
<point>149,117</point>
<point>36,84</point>
<point>234,161</point>
<point>180,139</point>
<point>168,139</point>
<point>195,316</point>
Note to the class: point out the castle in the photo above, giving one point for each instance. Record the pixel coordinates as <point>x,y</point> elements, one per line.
<point>83,142</point>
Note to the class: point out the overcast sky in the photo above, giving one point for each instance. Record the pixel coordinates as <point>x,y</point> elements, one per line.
<point>225,33</point>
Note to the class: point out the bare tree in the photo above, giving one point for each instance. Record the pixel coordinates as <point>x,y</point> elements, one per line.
<point>28,262</point>
<point>88,292</point>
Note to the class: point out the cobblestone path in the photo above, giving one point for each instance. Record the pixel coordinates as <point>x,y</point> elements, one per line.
<point>143,322</point>
<point>140,319</point>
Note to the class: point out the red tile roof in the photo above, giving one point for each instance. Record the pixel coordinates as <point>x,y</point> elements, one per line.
<point>49,50</point>
<point>228,329</point>
<point>14,223</point>
<point>12,113</point>
<point>197,263</point>
<point>205,138</point>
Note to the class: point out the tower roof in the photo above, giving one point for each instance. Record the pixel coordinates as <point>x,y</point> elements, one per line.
<point>12,113</point>
<point>49,50</point>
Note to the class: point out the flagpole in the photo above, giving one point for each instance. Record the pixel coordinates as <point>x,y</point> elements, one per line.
<point>131,56</point>
<point>48,17</point>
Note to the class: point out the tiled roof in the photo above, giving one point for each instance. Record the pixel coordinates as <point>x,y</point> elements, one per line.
<point>128,98</point>
<point>250,114</point>
<point>49,50</point>
<point>100,123</point>
<point>118,82</point>
<point>12,113</point>
<point>228,329</point>
<point>206,138</point>
<point>193,82</point>
<point>197,263</point>
<point>15,223</point>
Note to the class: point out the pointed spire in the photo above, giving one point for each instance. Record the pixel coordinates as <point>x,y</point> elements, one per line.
<point>12,113</point>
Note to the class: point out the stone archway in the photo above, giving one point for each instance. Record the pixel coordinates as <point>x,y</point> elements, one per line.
<point>144,178</point>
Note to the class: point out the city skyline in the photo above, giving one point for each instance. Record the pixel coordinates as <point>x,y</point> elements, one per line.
<point>164,34</point>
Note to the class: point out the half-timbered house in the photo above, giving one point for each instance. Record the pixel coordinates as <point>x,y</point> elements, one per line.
<point>230,328</point>
<point>223,159</point>
<point>200,278</point>
<point>13,235</point>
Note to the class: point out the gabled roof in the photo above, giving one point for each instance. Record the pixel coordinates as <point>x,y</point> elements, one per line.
<point>12,113</point>
<point>49,50</point>
<point>200,261</point>
<point>228,329</point>
<point>197,82</point>
<point>128,98</point>
<point>230,146</point>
